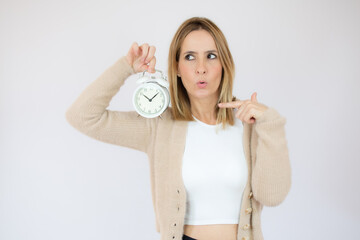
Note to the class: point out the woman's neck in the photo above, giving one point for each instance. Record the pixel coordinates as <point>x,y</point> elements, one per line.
<point>204,109</point>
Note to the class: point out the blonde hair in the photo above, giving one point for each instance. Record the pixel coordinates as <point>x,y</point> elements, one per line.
<point>179,98</point>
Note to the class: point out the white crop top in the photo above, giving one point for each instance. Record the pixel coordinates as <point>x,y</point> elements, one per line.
<point>214,172</point>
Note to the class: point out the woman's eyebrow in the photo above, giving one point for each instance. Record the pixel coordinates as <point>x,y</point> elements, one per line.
<point>194,52</point>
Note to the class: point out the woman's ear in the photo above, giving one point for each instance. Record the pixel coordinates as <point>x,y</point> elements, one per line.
<point>178,72</point>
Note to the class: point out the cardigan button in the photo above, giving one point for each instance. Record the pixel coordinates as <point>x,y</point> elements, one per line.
<point>178,191</point>
<point>246,226</point>
<point>173,237</point>
<point>248,210</point>
<point>251,194</point>
<point>174,224</point>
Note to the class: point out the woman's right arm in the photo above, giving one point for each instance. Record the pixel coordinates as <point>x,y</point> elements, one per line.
<point>89,113</point>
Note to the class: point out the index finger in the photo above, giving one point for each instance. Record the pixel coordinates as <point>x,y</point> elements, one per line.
<point>152,65</point>
<point>150,54</point>
<point>234,104</point>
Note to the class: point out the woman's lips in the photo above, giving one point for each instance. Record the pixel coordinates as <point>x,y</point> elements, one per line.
<point>201,84</point>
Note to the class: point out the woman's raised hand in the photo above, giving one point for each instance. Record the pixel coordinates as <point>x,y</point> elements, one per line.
<point>248,110</point>
<point>142,58</point>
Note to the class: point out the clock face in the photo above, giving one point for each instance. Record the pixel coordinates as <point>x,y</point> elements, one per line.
<point>149,100</point>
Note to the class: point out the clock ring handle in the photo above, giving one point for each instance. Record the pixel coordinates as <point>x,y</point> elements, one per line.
<point>156,70</point>
<point>162,81</point>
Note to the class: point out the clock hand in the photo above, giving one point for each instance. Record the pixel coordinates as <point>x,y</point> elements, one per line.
<point>153,97</point>
<point>146,97</point>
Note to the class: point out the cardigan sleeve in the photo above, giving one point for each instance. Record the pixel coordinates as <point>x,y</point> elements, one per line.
<point>271,178</point>
<point>89,113</point>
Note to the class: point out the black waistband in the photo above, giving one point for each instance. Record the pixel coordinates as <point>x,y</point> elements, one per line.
<point>186,237</point>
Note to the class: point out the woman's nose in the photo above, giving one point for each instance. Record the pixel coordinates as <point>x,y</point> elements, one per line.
<point>201,68</point>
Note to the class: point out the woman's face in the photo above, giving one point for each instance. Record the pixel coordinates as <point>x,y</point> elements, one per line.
<point>199,65</point>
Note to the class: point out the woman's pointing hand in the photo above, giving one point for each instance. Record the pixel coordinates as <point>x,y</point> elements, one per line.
<point>248,110</point>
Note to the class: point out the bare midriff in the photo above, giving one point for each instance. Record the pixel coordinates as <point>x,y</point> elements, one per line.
<point>212,231</point>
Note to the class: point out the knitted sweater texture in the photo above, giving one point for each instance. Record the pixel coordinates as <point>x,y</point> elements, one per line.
<point>163,140</point>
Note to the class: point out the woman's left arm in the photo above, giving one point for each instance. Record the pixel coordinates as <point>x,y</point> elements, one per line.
<point>271,175</point>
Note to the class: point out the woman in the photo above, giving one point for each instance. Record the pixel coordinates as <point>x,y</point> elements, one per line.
<point>214,161</point>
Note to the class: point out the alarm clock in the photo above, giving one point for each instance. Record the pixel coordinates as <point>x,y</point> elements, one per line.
<point>151,97</point>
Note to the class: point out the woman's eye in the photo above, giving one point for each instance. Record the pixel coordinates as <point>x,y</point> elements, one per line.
<point>188,57</point>
<point>211,54</point>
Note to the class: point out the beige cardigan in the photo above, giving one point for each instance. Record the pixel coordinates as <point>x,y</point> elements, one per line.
<point>163,141</point>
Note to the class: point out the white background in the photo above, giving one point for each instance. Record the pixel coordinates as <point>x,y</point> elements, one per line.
<point>301,57</point>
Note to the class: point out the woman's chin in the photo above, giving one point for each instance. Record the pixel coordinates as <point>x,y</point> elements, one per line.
<point>203,94</point>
